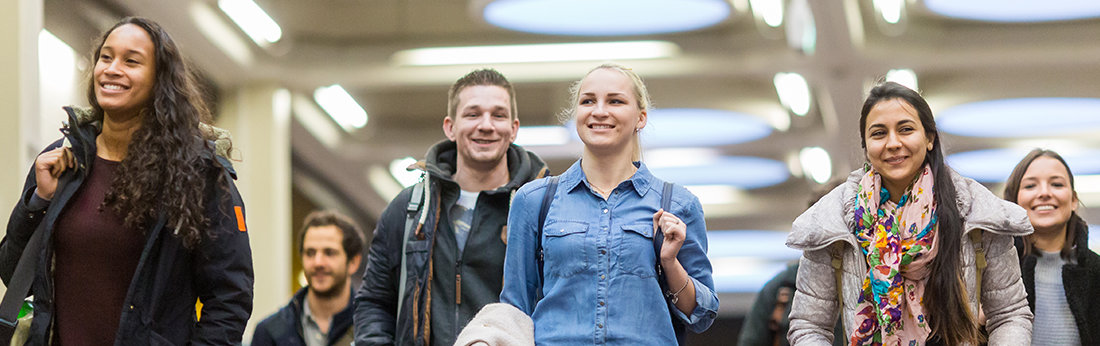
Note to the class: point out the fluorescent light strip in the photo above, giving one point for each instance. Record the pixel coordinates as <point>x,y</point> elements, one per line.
<point>252,20</point>
<point>341,106</point>
<point>400,172</point>
<point>533,53</point>
<point>793,92</point>
<point>771,11</point>
<point>890,10</point>
<point>816,164</point>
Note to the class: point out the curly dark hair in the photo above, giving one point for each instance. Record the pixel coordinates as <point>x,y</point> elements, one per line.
<point>167,160</point>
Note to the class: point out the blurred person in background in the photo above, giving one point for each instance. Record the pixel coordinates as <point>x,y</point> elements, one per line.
<point>438,251</point>
<point>589,276</point>
<point>897,249</point>
<point>139,209</point>
<point>1061,274</point>
<point>319,314</point>
<point>767,322</point>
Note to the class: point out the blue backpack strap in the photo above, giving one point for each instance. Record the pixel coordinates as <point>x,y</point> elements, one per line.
<point>658,240</point>
<point>551,188</point>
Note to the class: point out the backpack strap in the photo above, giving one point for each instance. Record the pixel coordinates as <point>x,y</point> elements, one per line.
<point>419,194</point>
<point>658,240</point>
<point>979,260</point>
<point>838,272</point>
<point>547,198</point>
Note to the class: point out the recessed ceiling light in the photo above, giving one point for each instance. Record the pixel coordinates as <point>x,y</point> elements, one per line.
<point>341,106</point>
<point>252,20</point>
<point>696,127</point>
<point>536,53</point>
<point>793,91</point>
<point>1016,10</point>
<point>995,165</point>
<point>903,76</point>
<point>1022,117</point>
<point>741,171</point>
<point>816,164</point>
<point>605,17</point>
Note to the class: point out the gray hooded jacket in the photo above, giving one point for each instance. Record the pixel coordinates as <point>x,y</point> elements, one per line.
<point>827,226</point>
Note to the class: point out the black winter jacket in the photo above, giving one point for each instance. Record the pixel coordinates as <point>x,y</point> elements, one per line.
<point>1081,282</point>
<point>169,278</point>
<point>447,288</point>
<point>284,327</point>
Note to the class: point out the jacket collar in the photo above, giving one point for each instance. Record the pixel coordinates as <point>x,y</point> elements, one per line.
<point>523,166</point>
<point>831,218</point>
<point>641,182</point>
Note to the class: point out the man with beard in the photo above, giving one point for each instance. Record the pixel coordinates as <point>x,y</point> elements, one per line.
<point>438,252</point>
<point>320,313</point>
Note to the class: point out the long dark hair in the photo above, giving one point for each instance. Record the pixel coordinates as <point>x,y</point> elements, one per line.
<point>165,166</point>
<point>946,301</point>
<point>1077,229</point>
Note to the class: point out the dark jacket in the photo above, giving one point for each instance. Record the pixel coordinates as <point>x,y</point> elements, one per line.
<point>160,301</point>
<point>759,329</point>
<point>431,286</point>
<point>1081,282</point>
<point>284,327</point>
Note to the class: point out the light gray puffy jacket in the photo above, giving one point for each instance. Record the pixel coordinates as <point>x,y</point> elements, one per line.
<point>827,226</point>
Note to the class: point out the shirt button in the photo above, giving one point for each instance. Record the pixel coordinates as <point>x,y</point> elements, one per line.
<point>601,303</point>
<point>603,252</point>
<point>605,211</point>
<point>599,325</point>
<point>601,277</point>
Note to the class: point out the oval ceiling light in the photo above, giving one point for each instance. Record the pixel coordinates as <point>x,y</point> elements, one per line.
<point>1022,117</point>
<point>793,91</point>
<point>744,172</point>
<point>697,127</point>
<point>903,76</point>
<point>816,164</point>
<point>605,17</point>
<point>995,165</point>
<point>1015,10</point>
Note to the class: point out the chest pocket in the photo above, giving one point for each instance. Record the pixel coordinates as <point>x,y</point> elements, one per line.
<point>564,248</point>
<point>635,251</point>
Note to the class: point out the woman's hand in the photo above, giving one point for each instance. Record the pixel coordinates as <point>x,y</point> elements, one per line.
<point>48,168</point>
<point>675,232</point>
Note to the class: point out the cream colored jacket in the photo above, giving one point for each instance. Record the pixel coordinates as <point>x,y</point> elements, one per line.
<point>827,226</point>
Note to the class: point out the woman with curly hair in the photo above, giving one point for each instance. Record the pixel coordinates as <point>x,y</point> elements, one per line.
<point>907,251</point>
<point>140,215</point>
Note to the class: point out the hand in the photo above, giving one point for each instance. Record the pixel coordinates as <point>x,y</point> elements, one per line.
<point>675,232</point>
<point>48,168</point>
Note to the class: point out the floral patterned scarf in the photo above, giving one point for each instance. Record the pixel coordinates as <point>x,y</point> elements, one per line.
<point>897,240</point>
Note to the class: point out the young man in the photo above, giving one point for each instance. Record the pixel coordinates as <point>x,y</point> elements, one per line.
<point>424,282</point>
<point>321,313</point>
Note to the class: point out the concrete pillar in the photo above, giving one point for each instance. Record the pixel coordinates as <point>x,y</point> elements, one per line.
<point>20,22</point>
<point>258,116</point>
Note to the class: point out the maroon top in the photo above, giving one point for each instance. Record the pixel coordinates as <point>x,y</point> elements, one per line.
<point>95,258</point>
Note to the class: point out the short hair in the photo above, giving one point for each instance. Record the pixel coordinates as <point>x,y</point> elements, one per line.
<point>353,237</point>
<point>485,76</point>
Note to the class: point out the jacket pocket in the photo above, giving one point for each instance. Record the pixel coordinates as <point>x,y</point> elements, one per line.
<point>564,248</point>
<point>635,250</point>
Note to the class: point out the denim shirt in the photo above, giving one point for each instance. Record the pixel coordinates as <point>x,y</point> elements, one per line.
<point>600,284</point>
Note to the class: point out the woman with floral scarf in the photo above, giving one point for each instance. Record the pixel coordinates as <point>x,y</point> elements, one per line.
<point>898,249</point>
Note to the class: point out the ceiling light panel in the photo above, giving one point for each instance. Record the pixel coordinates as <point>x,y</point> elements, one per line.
<point>341,107</point>
<point>1016,10</point>
<point>995,165</point>
<point>536,53</point>
<point>1022,117</point>
<point>816,164</point>
<point>697,127</point>
<point>744,172</point>
<point>793,91</point>
<point>605,17</point>
<point>252,20</point>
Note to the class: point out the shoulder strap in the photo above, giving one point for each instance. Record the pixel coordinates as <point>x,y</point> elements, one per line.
<point>547,198</point>
<point>659,235</point>
<point>979,260</point>
<point>838,272</point>
<point>415,200</point>
<point>21,282</point>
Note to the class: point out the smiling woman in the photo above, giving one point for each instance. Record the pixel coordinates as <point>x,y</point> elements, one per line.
<point>889,249</point>
<point>603,233</point>
<point>132,200</point>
